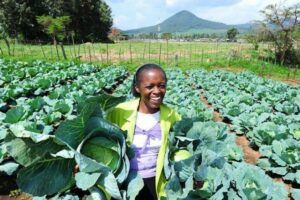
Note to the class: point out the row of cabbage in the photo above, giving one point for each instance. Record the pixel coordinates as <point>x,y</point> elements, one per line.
<point>42,82</point>
<point>27,122</point>
<point>209,152</point>
<point>43,113</point>
<point>14,71</point>
<point>266,111</point>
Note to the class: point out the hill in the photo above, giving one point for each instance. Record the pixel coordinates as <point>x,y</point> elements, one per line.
<point>187,22</point>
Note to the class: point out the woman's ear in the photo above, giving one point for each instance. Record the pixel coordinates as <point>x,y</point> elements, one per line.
<point>137,89</point>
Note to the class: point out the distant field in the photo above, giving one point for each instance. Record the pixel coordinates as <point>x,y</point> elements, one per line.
<point>185,55</point>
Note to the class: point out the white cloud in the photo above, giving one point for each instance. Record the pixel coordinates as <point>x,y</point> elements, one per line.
<point>242,12</point>
<point>129,14</point>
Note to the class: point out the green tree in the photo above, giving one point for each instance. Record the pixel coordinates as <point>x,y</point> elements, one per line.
<point>232,33</point>
<point>90,19</point>
<point>18,18</point>
<point>55,28</point>
<point>4,36</point>
<point>166,36</point>
<point>280,23</point>
<point>296,34</point>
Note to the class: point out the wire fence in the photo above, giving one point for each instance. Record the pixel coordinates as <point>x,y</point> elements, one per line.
<point>165,53</point>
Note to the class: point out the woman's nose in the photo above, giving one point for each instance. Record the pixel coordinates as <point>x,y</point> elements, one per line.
<point>156,89</point>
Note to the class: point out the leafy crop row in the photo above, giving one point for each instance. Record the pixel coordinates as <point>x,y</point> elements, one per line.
<point>266,111</point>
<point>50,131</point>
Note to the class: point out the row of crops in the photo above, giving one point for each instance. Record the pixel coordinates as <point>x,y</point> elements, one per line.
<point>52,115</point>
<point>265,111</point>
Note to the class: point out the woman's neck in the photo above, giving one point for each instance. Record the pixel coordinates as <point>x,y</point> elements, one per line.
<point>144,109</point>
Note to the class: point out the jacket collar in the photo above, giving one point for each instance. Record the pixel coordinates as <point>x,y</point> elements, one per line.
<point>164,114</point>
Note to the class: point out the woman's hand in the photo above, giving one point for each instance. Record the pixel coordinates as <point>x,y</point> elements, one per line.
<point>76,169</point>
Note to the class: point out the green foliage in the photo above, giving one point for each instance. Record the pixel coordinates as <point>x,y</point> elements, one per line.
<point>98,147</point>
<point>18,18</point>
<point>90,20</point>
<point>166,36</point>
<point>280,23</point>
<point>232,33</point>
<point>253,40</point>
<point>296,33</point>
<point>213,154</point>
<point>55,27</point>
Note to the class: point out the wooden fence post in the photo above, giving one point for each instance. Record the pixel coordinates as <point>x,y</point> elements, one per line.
<point>202,56</point>
<point>120,54</point>
<point>295,71</point>
<point>71,53</point>
<point>144,52</point>
<point>167,52</point>
<point>51,52</point>
<point>73,43</point>
<point>42,49</point>
<point>149,48</point>
<point>107,53</point>
<point>78,55</point>
<point>90,56</point>
<point>217,51</point>
<point>270,70</point>
<point>190,52</point>
<point>289,72</point>
<point>94,52</point>
<point>101,56</point>
<point>130,52</point>
<point>13,46</point>
<point>84,51</point>
<point>262,70</point>
<point>159,53</point>
<point>63,50</point>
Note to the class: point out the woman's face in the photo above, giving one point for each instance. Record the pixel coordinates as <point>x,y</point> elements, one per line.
<point>152,89</point>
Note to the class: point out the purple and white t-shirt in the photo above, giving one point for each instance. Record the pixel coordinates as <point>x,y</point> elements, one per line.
<point>146,144</point>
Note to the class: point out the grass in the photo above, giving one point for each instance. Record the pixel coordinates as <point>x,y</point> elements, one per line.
<point>185,55</point>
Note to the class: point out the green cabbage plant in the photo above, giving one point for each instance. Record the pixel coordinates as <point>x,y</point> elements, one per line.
<point>88,141</point>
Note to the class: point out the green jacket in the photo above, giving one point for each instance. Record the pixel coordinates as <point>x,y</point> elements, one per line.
<point>124,115</point>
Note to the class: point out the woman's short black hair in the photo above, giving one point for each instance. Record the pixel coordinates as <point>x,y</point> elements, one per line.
<point>137,75</point>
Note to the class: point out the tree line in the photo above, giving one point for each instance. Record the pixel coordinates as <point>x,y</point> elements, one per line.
<point>46,20</point>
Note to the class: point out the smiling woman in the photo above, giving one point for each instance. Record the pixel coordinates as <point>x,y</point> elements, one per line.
<point>150,85</point>
<point>147,121</point>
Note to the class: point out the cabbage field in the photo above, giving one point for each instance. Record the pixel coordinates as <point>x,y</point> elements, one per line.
<point>52,118</point>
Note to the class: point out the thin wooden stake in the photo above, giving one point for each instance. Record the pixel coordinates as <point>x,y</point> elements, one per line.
<point>270,70</point>
<point>295,71</point>
<point>202,56</point>
<point>159,53</point>
<point>149,48</point>
<point>289,72</point>
<point>107,53</point>
<point>130,52</point>
<point>42,49</point>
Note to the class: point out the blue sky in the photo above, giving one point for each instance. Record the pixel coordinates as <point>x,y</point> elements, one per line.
<point>130,14</point>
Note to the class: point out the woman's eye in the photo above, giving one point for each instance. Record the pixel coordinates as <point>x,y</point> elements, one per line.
<point>162,86</point>
<point>149,87</point>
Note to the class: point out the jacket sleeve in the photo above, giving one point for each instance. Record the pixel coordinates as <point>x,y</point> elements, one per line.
<point>112,116</point>
<point>177,117</point>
